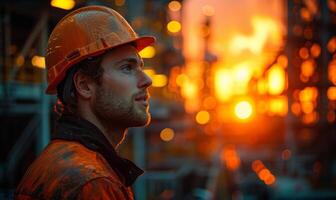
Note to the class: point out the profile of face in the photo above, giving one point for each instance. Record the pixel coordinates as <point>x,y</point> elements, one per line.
<point>122,98</point>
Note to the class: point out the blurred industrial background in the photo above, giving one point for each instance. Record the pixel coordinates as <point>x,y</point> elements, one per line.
<point>243,100</point>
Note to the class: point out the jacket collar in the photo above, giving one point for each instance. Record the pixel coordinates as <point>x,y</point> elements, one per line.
<point>74,128</point>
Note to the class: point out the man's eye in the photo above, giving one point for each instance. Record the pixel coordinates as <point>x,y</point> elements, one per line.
<point>127,68</point>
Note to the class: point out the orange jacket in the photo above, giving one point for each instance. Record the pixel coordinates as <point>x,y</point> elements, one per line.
<point>68,169</point>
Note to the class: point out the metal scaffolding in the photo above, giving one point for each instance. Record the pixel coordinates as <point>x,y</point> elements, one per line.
<point>13,92</point>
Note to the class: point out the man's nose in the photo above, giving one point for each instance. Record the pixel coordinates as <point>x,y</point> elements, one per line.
<point>145,81</point>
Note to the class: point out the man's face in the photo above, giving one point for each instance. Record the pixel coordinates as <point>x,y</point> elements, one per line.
<point>122,98</point>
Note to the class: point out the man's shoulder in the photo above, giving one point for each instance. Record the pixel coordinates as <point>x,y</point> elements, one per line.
<point>62,168</point>
<point>73,158</point>
<point>104,188</point>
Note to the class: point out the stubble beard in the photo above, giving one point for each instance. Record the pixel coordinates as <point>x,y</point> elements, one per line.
<point>118,112</point>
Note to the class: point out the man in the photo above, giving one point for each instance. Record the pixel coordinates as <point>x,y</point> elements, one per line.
<point>95,70</point>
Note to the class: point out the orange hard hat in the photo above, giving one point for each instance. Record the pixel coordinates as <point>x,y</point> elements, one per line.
<point>86,32</point>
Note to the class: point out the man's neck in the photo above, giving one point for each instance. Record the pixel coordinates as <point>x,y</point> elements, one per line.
<point>113,134</point>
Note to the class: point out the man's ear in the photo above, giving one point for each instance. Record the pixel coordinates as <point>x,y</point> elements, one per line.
<point>84,85</point>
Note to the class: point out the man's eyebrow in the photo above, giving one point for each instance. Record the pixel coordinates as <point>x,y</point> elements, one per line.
<point>131,60</point>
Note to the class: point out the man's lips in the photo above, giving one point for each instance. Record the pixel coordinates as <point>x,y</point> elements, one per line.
<point>142,98</point>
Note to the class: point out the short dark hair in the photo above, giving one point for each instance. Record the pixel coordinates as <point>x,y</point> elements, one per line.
<point>66,91</point>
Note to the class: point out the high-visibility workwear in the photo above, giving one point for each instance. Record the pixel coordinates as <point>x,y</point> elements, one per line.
<point>79,163</point>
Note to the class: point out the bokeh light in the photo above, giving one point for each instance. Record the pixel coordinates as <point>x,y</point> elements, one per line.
<point>331,93</point>
<point>174,6</point>
<point>202,117</point>
<point>174,26</point>
<point>19,61</point>
<point>167,134</point>
<point>276,78</point>
<point>63,4</point>
<point>148,52</point>
<point>159,80</point>
<point>332,45</point>
<point>38,61</point>
<point>243,109</point>
<point>223,85</point>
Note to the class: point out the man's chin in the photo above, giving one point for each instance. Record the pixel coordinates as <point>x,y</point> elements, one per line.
<point>149,118</point>
<point>143,120</point>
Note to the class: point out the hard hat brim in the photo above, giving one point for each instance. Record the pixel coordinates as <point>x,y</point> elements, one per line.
<point>139,43</point>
